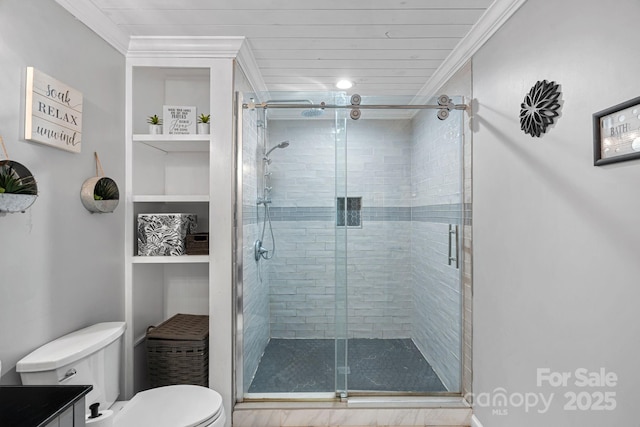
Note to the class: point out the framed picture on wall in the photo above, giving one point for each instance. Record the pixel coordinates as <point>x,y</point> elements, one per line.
<point>53,112</point>
<point>616,133</point>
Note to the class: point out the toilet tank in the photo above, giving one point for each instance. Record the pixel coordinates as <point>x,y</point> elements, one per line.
<point>88,356</point>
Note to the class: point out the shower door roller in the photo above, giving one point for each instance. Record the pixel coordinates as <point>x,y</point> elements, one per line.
<point>442,114</point>
<point>444,100</point>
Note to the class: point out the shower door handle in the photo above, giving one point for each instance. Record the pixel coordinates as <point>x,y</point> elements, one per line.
<point>453,237</point>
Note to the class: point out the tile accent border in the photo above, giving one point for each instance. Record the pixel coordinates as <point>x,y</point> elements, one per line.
<point>452,213</point>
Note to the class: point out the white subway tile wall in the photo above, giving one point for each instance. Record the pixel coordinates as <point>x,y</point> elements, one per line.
<point>255,290</point>
<point>437,305</point>
<point>303,275</point>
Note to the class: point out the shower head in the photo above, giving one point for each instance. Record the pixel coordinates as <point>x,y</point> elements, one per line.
<point>283,144</point>
<point>311,112</point>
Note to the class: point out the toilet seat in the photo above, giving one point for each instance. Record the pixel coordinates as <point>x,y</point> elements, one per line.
<point>171,406</point>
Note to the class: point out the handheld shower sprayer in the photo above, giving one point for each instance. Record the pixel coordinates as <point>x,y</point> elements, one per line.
<point>283,144</point>
<point>259,250</point>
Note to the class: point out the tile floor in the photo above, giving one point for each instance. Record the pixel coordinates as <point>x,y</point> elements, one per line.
<point>308,365</point>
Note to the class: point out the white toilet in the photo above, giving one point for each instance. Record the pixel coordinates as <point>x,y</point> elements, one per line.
<point>92,356</point>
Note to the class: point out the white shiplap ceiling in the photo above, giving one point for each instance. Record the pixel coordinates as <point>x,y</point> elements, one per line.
<point>387,47</point>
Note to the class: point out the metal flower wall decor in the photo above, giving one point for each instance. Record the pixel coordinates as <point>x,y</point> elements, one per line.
<point>539,108</point>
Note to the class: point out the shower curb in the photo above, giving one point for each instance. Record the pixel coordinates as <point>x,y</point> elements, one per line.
<point>327,414</point>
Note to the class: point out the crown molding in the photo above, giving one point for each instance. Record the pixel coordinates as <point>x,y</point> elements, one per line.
<point>249,65</point>
<point>488,24</point>
<point>167,47</point>
<point>200,47</point>
<point>184,47</point>
<point>87,13</point>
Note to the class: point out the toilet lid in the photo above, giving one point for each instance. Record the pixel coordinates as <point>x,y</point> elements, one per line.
<point>171,406</point>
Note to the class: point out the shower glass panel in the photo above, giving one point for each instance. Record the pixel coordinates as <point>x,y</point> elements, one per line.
<point>341,273</point>
<point>355,284</point>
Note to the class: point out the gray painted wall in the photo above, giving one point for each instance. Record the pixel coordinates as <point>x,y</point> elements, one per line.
<point>556,270</point>
<point>61,267</point>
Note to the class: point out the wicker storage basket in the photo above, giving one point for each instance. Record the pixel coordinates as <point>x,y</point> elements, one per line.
<point>178,351</point>
<point>197,244</point>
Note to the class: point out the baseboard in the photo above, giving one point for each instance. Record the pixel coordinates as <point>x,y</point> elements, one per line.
<point>475,422</point>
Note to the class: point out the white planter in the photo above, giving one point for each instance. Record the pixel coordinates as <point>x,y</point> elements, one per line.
<point>10,202</point>
<point>203,128</point>
<point>155,129</point>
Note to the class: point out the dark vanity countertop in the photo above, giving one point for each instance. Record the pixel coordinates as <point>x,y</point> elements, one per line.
<point>32,406</point>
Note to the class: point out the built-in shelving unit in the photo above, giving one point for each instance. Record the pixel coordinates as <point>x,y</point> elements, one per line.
<point>165,174</point>
<point>184,174</point>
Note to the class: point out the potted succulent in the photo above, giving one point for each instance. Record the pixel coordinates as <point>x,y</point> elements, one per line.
<point>18,188</point>
<point>155,124</point>
<point>99,194</point>
<point>203,124</point>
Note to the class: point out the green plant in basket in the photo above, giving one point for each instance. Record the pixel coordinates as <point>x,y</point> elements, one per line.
<point>11,182</point>
<point>106,189</point>
<point>204,118</point>
<point>154,120</point>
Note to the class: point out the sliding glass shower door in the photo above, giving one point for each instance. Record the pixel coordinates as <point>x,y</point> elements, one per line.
<point>349,280</point>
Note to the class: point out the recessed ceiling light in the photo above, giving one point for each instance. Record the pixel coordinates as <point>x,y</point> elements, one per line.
<point>344,84</point>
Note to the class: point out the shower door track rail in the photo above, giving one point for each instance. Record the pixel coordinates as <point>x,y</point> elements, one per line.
<point>444,106</point>
<point>266,106</point>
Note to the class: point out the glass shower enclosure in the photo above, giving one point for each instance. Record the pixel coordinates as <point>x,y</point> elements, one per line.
<point>348,277</point>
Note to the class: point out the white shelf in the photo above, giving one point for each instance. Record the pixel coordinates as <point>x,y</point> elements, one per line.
<point>182,259</point>
<point>175,143</point>
<point>161,198</point>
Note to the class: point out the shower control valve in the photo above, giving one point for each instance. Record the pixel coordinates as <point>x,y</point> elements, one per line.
<point>259,250</point>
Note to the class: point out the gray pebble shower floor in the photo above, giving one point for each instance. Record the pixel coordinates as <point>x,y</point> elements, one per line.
<point>307,365</point>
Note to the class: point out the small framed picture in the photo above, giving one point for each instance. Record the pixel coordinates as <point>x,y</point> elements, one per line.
<point>178,120</point>
<point>616,133</point>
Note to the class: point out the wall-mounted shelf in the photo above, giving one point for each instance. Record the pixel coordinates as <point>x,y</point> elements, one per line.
<point>161,198</point>
<point>183,259</point>
<point>175,143</point>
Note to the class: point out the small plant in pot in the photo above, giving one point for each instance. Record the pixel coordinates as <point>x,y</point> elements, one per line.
<point>18,188</point>
<point>106,189</point>
<point>100,194</point>
<point>155,124</point>
<point>203,124</point>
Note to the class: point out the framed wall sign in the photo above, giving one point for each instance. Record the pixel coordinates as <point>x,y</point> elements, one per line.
<point>53,113</point>
<point>616,133</point>
<point>179,120</point>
